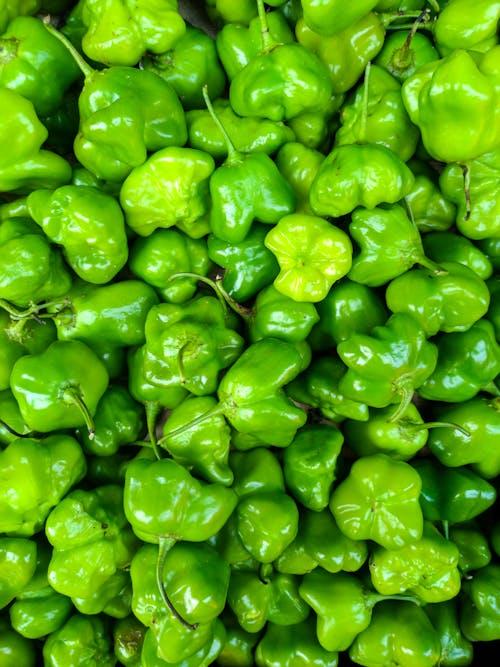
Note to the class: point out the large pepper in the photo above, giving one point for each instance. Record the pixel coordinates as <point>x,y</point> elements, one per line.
<point>355,175</point>
<point>390,363</point>
<point>91,540</point>
<point>312,254</point>
<point>281,82</point>
<point>299,164</point>
<point>36,474</point>
<point>452,300</point>
<point>124,113</point>
<point>60,387</point>
<point>456,650</point>
<point>468,362</point>
<point>188,65</point>
<point>88,224</point>
<point>379,500</point>
<point>476,444</point>
<point>452,97</point>
<point>428,568</point>
<point>480,605</point>
<point>245,187</point>
<point>454,30</point>
<point>118,33</point>
<point>80,640</point>
<point>24,164</point>
<point>376,114</point>
<point>170,188</point>
<point>400,633</point>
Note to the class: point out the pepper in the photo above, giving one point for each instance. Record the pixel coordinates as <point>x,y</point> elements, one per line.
<point>430,97</point>
<point>36,475</point>
<point>225,11</point>
<point>128,638</point>
<point>312,254</point>
<point>188,65</point>
<point>480,608</point>
<point>428,568</point>
<point>32,270</point>
<point>119,420</point>
<point>249,135</point>
<point>18,560</point>
<point>82,562</point>
<point>112,598</point>
<point>15,648</point>
<point>155,258</point>
<point>314,129</point>
<point>81,639</point>
<point>124,113</point>
<point>245,187</point>
<point>248,266</point>
<point>345,54</point>
<point>256,471</point>
<point>17,8</point>
<point>60,387</point>
<point>203,449</point>
<point>493,314</point>
<point>299,164</point>
<point>170,188</point>
<point>430,210</point>
<point>274,598</point>
<point>203,657</point>
<point>390,363</point>
<point>474,551</point>
<point>451,301</point>
<point>116,34</point>
<point>376,114</point>
<point>38,610</point>
<point>399,632</point>
<point>238,645</point>
<point>310,464</point>
<point>330,17</point>
<point>379,500</point>
<point>476,443</point>
<point>467,360</point>
<point>452,30</point>
<point>355,175</point>
<point>404,53</point>
<point>268,85</point>
<point>455,648</point>
<point>452,495</point>
<point>443,246</point>
<point>24,164</point>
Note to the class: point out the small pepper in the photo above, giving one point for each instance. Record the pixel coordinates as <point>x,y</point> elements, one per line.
<point>474,551</point>
<point>18,561</point>
<point>128,638</point>
<point>428,207</point>
<point>81,639</point>
<point>238,645</point>
<point>456,650</point>
<point>444,246</point>
<point>15,647</point>
<point>452,29</point>
<point>480,605</point>
<point>112,598</point>
<point>299,164</point>
<point>404,53</point>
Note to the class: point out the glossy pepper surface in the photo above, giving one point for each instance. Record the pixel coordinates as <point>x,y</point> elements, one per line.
<point>480,609</point>
<point>81,638</point>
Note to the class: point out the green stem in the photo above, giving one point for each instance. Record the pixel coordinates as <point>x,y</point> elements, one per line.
<point>232,153</point>
<point>72,396</point>
<point>376,597</point>
<point>265,572</point>
<point>164,546</point>
<point>31,434</point>
<point>466,174</point>
<point>152,411</point>
<point>401,58</point>
<point>446,528</point>
<point>268,43</point>
<point>386,18</point>
<point>17,208</point>
<point>33,310</point>
<point>213,412</point>
<point>431,265</point>
<point>406,393</point>
<point>85,68</point>
<point>437,424</point>
<point>219,290</point>
<point>366,97</point>
<point>435,6</point>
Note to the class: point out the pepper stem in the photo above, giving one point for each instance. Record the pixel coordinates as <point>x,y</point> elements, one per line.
<point>437,424</point>
<point>406,393</point>
<point>72,396</point>
<point>431,266</point>
<point>401,59</point>
<point>221,293</point>
<point>17,208</point>
<point>85,68</point>
<point>372,599</point>
<point>386,18</point>
<point>33,310</point>
<point>164,546</point>
<point>213,412</point>
<point>366,97</point>
<point>231,149</point>
<point>268,43</point>
<point>152,411</point>
<point>466,173</point>
<point>30,434</point>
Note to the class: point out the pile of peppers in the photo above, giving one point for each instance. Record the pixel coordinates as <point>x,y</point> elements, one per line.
<point>250,333</point>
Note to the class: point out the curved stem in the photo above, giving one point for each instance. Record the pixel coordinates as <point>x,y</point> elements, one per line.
<point>466,174</point>
<point>85,68</point>
<point>219,290</point>
<point>401,58</point>
<point>33,310</point>
<point>231,150</point>
<point>213,412</point>
<point>366,97</point>
<point>437,424</point>
<point>386,18</point>
<point>152,411</point>
<point>164,546</point>
<point>432,266</point>
<point>268,43</point>
<point>71,395</point>
<point>265,572</point>
<point>406,393</point>
<point>31,434</point>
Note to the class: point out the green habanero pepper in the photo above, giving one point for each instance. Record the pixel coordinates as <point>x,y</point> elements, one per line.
<point>12,8</point>
<point>404,53</point>
<point>312,254</point>
<point>444,246</point>
<point>480,604</point>
<point>18,565</point>
<point>429,209</point>
<point>128,638</point>
<point>331,16</point>
<point>14,648</point>
<point>299,164</point>
<point>454,30</point>
<point>456,650</point>
<point>82,640</point>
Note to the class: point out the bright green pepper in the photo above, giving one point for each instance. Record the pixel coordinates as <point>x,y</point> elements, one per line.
<point>85,558</point>
<point>476,443</point>
<point>128,638</point>
<point>430,97</point>
<point>59,387</point>
<point>443,246</point>
<point>188,65</point>
<point>35,64</point>
<point>404,53</point>
<point>203,449</point>
<point>468,361</point>
<point>452,300</point>
<point>81,641</point>
<point>427,206</point>
<point>399,633</point>
<point>452,30</point>
<point>480,605</point>
<point>25,165</point>
<point>38,610</point>
<point>15,649</point>
<point>119,420</point>
<point>256,471</point>
<point>12,8</point>
<point>248,266</point>
<point>226,11</point>
<point>355,175</point>
<point>393,361</point>
<point>314,129</point>
<point>36,475</point>
<point>427,568</point>
<point>332,16</point>
<point>310,462</point>
<point>275,598</point>
<point>170,188</point>
<point>299,164</point>
<point>112,598</point>
<point>456,650</point>
<point>379,500</point>
<point>18,560</point>
<point>120,33</point>
<point>312,254</point>
<point>346,53</point>
<point>376,114</point>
